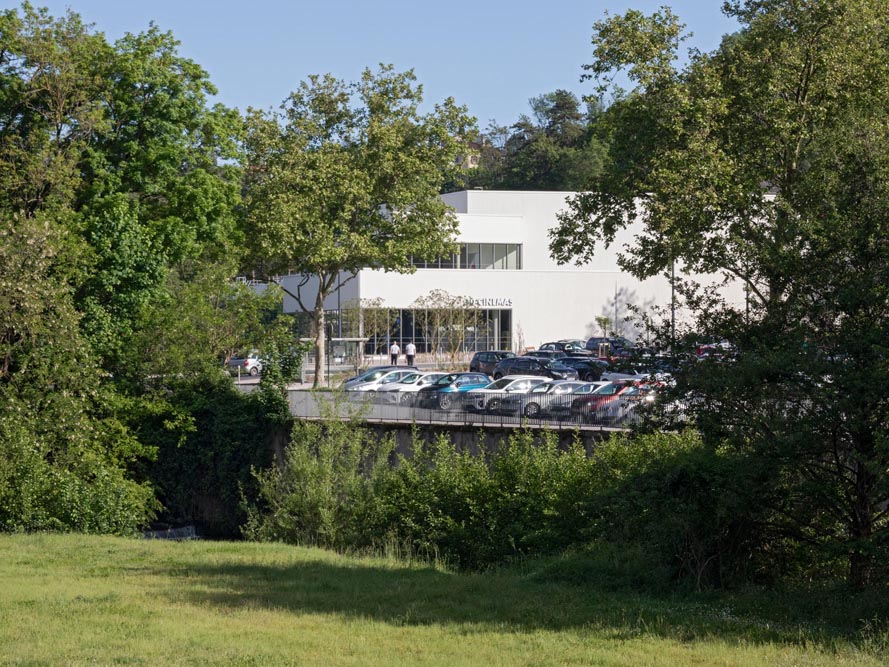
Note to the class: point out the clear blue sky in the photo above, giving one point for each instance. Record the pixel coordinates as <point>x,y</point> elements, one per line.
<point>491,55</point>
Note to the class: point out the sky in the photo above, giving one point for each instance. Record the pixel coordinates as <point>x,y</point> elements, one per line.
<point>490,55</point>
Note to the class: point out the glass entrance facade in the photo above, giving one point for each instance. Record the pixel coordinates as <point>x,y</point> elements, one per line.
<point>440,331</point>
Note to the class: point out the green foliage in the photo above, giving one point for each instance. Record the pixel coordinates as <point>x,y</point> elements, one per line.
<point>348,177</point>
<point>64,451</point>
<point>558,149</point>
<point>319,493</point>
<point>208,436</point>
<point>695,510</point>
<point>765,163</point>
<point>115,177</point>
<point>121,136</point>
<point>339,487</point>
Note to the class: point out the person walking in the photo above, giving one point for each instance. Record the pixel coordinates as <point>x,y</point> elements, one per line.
<point>410,351</point>
<point>394,351</point>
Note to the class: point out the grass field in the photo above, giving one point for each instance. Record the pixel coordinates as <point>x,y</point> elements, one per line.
<point>78,600</point>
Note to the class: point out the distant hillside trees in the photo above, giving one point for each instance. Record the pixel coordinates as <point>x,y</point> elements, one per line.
<point>557,147</point>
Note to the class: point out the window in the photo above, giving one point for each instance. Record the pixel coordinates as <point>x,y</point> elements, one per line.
<point>487,253</point>
<point>500,256</point>
<point>473,258</point>
<point>496,256</point>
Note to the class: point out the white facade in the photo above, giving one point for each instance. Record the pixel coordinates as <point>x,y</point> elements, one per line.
<point>545,301</point>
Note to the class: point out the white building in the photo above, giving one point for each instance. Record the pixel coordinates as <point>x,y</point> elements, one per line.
<point>504,266</point>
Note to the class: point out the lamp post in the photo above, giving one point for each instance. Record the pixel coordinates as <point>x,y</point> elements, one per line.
<point>339,308</point>
<point>673,306</point>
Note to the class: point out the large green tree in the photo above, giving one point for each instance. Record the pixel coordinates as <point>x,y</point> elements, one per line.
<point>121,136</point>
<point>116,178</point>
<point>768,161</point>
<point>348,177</point>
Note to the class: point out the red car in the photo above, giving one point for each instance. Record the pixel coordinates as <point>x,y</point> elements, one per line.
<point>609,403</point>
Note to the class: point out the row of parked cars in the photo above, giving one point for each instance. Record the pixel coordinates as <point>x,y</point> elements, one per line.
<point>612,398</point>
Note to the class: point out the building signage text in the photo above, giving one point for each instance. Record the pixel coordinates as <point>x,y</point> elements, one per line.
<point>492,302</point>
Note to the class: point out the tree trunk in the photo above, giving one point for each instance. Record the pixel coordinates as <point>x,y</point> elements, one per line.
<point>320,338</point>
<point>861,562</point>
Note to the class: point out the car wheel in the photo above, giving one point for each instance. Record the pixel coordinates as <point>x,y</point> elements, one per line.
<point>445,401</point>
<point>405,398</point>
<point>254,371</point>
<point>532,410</point>
<point>493,405</point>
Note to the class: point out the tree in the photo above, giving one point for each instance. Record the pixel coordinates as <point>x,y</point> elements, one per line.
<point>64,450</point>
<point>446,318</point>
<point>556,148</point>
<point>348,178</point>
<point>766,161</point>
<point>121,136</point>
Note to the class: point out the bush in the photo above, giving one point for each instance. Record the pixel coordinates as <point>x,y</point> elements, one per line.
<point>697,508</point>
<point>70,483</point>
<point>207,435</point>
<point>342,488</point>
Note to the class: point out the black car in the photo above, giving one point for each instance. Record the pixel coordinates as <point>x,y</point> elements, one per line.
<point>610,347</point>
<point>533,366</point>
<point>545,354</point>
<point>568,346</point>
<point>484,362</point>
<point>588,370</point>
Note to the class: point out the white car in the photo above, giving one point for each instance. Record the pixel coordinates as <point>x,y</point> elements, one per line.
<point>404,390</point>
<point>381,381</point>
<point>536,403</point>
<point>490,397</point>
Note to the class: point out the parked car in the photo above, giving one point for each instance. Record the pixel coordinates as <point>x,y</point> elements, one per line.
<point>588,369</point>
<point>560,404</point>
<point>545,354</point>
<point>372,373</point>
<point>613,347</point>
<point>381,379</point>
<point>446,392</point>
<point>568,346</point>
<point>637,373</point>
<point>405,390</point>
<point>490,397</point>
<point>536,402</point>
<point>610,403</point>
<point>484,362</point>
<point>249,363</point>
<point>533,366</point>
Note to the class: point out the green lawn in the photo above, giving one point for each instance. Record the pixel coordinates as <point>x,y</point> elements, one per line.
<point>77,600</point>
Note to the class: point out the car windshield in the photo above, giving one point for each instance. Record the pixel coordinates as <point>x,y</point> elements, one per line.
<point>503,355</point>
<point>500,384</point>
<point>410,379</point>
<point>446,380</point>
<point>542,388</point>
<point>609,389</point>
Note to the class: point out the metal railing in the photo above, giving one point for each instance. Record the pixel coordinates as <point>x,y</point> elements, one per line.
<point>558,412</point>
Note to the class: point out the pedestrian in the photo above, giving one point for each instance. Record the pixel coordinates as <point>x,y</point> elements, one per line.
<point>394,351</point>
<point>410,351</point>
